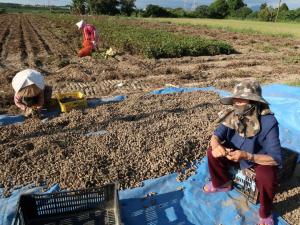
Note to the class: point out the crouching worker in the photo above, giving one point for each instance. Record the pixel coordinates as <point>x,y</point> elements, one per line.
<point>31,94</point>
<point>90,38</point>
<point>248,136</point>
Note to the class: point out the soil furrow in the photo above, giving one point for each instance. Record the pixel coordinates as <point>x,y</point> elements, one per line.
<point>56,44</point>
<point>40,38</point>
<point>29,42</point>
<point>15,54</point>
<point>23,48</point>
<point>4,39</point>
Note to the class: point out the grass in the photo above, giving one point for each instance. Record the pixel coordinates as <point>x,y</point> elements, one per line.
<point>33,10</point>
<point>152,43</point>
<point>157,43</point>
<point>268,48</point>
<point>291,59</point>
<point>285,30</point>
<point>295,83</point>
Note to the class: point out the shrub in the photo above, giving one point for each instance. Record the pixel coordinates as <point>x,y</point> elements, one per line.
<point>2,10</point>
<point>156,43</point>
<point>152,43</point>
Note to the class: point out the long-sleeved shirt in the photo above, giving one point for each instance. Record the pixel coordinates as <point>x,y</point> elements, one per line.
<point>90,34</point>
<point>265,142</point>
<point>19,103</point>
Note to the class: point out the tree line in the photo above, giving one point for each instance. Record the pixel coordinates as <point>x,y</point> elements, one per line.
<point>108,7</point>
<point>218,9</point>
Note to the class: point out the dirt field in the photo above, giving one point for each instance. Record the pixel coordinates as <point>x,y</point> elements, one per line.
<point>166,133</point>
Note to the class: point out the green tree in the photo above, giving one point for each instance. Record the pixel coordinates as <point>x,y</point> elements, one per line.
<point>156,11</point>
<point>178,12</point>
<point>242,12</point>
<point>91,6</point>
<point>138,12</point>
<point>234,5</point>
<point>201,11</point>
<point>253,15</point>
<point>284,7</point>
<point>262,6</point>
<point>218,9</point>
<point>104,6</point>
<point>127,6</point>
<point>78,6</point>
<point>267,14</point>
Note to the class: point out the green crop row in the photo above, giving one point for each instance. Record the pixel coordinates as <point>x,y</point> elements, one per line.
<point>153,43</point>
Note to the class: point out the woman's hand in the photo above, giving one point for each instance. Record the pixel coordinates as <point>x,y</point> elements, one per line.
<point>236,155</point>
<point>218,151</point>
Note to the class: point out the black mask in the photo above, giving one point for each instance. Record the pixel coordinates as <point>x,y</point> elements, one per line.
<point>242,110</point>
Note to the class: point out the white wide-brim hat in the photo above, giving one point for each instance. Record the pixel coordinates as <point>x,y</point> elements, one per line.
<point>28,77</point>
<point>80,24</point>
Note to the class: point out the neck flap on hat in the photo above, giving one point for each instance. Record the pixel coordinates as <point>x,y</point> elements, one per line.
<point>244,119</point>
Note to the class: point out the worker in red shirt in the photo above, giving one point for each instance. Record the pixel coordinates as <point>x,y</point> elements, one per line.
<point>90,38</point>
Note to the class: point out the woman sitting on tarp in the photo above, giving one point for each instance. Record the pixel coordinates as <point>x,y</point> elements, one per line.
<point>31,94</point>
<point>90,38</point>
<point>248,136</point>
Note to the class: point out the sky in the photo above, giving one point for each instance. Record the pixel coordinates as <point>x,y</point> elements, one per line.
<point>165,3</point>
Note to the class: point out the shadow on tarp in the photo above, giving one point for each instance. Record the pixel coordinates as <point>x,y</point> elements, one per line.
<point>94,102</point>
<point>169,206</point>
<point>189,206</point>
<point>160,209</point>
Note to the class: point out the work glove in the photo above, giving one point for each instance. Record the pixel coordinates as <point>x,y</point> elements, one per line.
<point>28,112</point>
<point>32,112</point>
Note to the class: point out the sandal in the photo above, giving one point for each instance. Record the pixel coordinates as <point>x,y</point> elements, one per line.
<point>266,221</point>
<point>209,188</point>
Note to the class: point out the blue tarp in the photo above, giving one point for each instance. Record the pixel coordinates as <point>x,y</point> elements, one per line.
<point>285,103</point>
<point>11,119</point>
<point>191,206</point>
<point>173,203</point>
<point>8,205</point>
<point>172,90</point>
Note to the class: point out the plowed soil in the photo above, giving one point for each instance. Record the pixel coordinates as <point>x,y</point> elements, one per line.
<point>143,137</point>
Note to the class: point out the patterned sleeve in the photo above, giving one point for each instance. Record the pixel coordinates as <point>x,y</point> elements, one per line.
<point>18,102</point>
<point>86,33</point>
<point>89,33</point>
<point>92,33</point>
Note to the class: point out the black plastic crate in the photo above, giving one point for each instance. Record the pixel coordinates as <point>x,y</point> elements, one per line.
<point>244,180</point>
<point>93,206</point>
